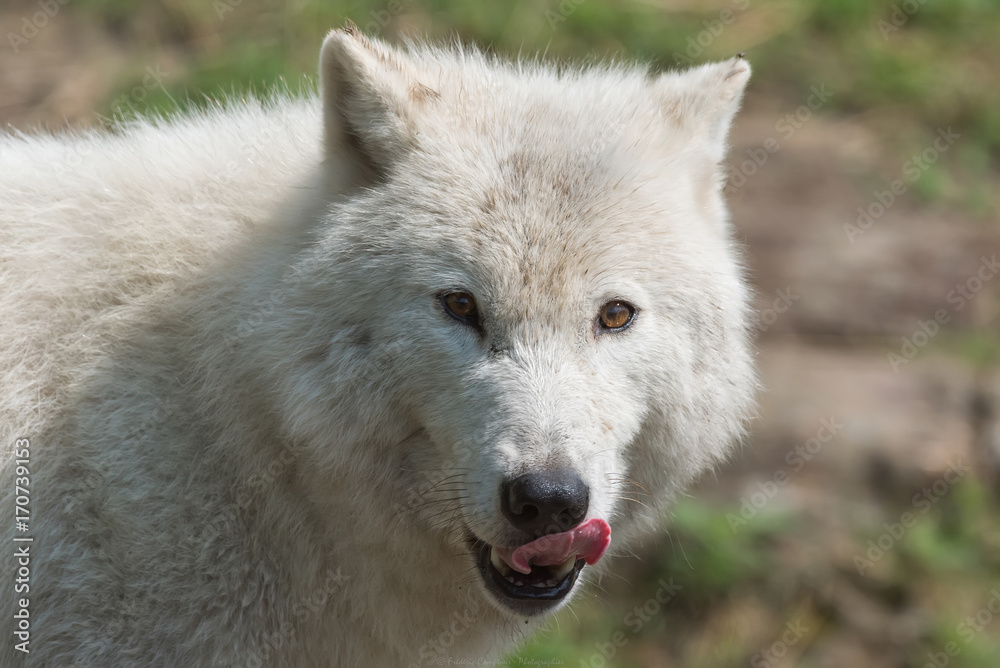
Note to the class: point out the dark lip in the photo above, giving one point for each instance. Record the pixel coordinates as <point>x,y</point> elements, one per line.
<point>524,600</point>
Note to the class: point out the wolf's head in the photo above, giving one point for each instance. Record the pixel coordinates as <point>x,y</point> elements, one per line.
<point>528,306</point>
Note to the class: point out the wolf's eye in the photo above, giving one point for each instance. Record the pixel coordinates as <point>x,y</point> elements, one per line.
<point>462,307</point>
<point>616,314</point>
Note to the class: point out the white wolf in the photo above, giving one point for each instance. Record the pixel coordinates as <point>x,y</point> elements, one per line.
<point>367,380</point>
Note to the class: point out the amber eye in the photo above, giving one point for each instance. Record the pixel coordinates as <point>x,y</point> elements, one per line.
<point>616,314</point>
<point>462,307</point>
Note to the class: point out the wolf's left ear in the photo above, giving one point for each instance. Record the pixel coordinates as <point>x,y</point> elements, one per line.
<point>371,95</point>
<point>703,100</point>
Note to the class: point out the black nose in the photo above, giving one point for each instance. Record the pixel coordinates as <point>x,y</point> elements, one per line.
<point>545,502</point>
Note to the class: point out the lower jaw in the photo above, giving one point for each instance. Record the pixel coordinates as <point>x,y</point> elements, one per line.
<point>526,600</point>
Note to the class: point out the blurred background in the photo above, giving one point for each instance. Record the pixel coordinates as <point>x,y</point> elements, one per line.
<point>860,525</point>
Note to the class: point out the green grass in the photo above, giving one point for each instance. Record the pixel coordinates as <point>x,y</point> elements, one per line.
<point>707,563</point>
<point>935,70</point>
<point>942,566</point>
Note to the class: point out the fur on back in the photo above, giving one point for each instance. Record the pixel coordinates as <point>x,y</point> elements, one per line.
<point>97,227</point>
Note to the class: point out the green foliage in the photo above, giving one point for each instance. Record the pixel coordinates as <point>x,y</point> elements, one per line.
<point>702,555</point>
<point>712,557</point>
<point>932,67</point>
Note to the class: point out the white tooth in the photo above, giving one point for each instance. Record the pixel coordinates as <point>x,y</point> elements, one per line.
<point>498,563</point>
<point>563,569</point>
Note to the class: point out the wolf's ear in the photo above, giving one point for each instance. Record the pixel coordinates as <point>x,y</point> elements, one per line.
<point>369,94</point>
<point>703,100</point>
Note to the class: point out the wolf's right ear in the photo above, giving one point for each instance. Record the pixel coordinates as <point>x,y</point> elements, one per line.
<point>370,93</point>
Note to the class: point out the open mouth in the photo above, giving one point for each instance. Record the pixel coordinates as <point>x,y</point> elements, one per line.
<point>535,577</point>
<point>527,593</point>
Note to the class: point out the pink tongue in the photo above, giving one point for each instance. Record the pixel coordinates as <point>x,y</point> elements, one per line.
<point>587,541</point>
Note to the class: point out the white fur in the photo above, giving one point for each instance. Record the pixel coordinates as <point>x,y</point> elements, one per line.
<point>256,437</point>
